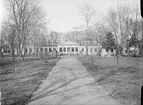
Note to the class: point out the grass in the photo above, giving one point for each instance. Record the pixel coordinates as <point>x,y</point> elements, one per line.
<point>123,83</point>
<point>19,80</point>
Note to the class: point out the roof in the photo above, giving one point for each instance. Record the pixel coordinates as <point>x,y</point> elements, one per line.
<point>89,43</point>
<point>5,47</point>
<point>32,45</point>
<point>70,43</point>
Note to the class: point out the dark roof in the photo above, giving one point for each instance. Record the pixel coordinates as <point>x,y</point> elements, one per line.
<point>47,45</point>
<point>5,47</point>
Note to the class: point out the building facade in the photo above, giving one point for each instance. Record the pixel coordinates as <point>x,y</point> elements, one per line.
<point>66,48</point>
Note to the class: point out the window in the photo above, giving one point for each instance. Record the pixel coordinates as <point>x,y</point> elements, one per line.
<point>91,50</point>
<point>68,49</point>
<point>64,49</point>
<point>95,49</point>
<point>76,49</point>
<point>5,51</point>
<point>30,50</point>
<point>46,50</point>
<point>41,49</point>
<point>37,50</point>
<point>60,49</point>
<point>50,49</point>
<point>72,49</point>
<point>25,50</point>
<point>82,49</point>
<point>9,51</point>
<point>112,50</point>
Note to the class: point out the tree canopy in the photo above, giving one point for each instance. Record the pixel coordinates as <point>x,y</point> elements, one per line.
<point>109,44</point>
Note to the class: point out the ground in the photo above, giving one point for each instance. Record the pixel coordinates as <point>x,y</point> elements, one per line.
<point>69,83</point>
<point>72,81</point>
<point>124,83</point>
<point>20,79</point>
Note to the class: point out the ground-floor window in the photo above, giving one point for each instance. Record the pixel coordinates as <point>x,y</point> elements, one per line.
<point>54,48</point>
<point>9,51</point>
<point>41,49</point>
<point>25,50</point>
<point>64,49</point>
<point>30,50</point>
<point>112,50</point>
<point>60,49</point>
<point>76,49</point>
<point>46,50</point>
<point>68,49</point>
<point>91,50</point>
<point>5,51</point>
<point>82,49</point>
<point>95,49</point>
<point>50,49</point>
<point>72,49</point>
<point>37,50</point>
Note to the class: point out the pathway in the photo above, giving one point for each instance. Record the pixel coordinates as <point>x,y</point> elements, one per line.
<point>70,84</point>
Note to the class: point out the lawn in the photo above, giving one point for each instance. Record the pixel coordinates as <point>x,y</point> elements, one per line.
<point>123,83</point>
<point>21,78</point>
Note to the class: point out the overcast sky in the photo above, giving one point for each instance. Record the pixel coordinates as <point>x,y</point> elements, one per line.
<point>64,14</point>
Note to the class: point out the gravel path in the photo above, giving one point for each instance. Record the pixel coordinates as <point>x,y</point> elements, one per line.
<point>70,84</point>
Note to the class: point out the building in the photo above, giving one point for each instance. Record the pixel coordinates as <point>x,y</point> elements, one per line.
<point>5,50</point>
<point>66,48</point>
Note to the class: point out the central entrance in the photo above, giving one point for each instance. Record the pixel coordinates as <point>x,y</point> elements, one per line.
<point>69,48</point>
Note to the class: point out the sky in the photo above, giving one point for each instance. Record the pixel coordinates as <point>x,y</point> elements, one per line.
<point>63,15</point>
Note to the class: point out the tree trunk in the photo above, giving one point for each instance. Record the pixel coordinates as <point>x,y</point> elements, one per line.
<point>128,50</point>
<point>92,60</point>
<point>13,55</point>
<point>117,54</point>
<point>24,54</point>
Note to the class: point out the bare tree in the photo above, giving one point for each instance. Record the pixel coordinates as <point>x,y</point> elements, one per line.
<point>88,14</point>
<point>128,20</point>
<point>114,26</point>
<point>100,32</point>
<point>25,15</point>
<point>124,14</point>
<point>8,35</point>
<point>124,22</point>
<point>137,22</point>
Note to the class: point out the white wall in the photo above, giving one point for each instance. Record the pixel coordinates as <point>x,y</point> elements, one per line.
<point>66,46</point>
<point>70,50</point>
<point>95,50</point>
